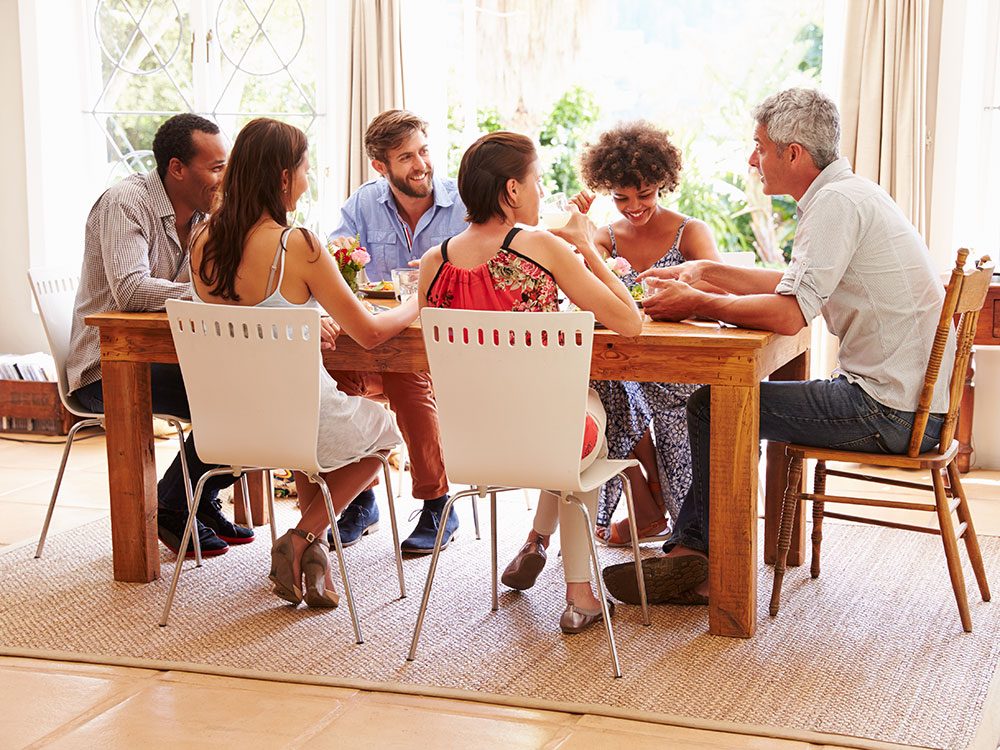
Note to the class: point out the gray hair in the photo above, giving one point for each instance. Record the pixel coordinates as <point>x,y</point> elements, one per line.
<point>803,116</point>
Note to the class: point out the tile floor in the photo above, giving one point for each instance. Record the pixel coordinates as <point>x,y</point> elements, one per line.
<point>65,705</point>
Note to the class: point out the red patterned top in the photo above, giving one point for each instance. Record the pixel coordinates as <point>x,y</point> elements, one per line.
<point>506,282</point>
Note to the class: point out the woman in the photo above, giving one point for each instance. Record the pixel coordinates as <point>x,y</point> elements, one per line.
<point>637,164</point>
<point>247,254</point>
<point>493,265</point>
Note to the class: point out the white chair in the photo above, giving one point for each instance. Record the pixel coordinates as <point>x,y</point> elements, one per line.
<point>54,290</point>
<point>511,391</point>
<point>253,382</point>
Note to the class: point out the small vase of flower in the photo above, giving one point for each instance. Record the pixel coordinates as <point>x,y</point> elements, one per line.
<point>351,259</point>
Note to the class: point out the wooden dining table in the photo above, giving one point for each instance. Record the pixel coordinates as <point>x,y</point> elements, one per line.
<point>733,361</point>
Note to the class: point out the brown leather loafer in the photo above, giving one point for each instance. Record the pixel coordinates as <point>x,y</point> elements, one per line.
<point>575,620</point>
<point>523,570</point>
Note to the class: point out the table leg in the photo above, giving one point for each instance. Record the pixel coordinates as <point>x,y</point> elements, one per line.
<point>732,568</point>
<point>776,479</point>
<point>260,486</point>
<point>131,470</point>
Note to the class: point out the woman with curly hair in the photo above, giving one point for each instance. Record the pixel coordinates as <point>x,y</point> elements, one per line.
<point>637,164</point>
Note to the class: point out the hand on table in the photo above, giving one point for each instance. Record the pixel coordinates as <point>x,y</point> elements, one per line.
<point>329,330</point>
<point>690,272</point>
<point>674,300</point>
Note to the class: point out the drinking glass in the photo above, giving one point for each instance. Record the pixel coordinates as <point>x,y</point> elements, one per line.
<point>394,277</point>
<point>406,281</point>
<point>553,212</point>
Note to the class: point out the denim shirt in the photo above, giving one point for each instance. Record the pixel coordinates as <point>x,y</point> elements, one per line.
<point>372,214</point>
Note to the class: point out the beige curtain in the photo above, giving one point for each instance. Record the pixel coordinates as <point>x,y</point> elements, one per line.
<point>884,102</point>
<point>375,65</point>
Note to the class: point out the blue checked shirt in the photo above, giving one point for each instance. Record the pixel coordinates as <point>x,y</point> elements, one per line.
<point>371,213</point>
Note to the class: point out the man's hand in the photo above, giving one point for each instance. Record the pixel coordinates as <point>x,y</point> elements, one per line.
<point>583,200</point>
<point>690,272</point>
<point>328,332</point>
<point>675,300</point>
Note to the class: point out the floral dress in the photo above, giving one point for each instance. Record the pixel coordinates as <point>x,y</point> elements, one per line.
<point>631,407</point>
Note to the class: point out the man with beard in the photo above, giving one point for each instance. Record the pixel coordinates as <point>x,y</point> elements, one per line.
<point>397,218</point>
<point>136,258</point>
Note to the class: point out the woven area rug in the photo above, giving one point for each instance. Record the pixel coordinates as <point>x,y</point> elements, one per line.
<point>873,649</point>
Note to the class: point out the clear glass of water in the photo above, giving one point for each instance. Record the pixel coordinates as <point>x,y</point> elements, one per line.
<point>405,282</point>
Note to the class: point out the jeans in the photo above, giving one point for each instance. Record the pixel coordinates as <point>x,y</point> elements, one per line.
<point>168,397</point>
<point>820,413</point>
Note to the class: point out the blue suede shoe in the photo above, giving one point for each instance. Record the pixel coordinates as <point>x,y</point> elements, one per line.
<point>421,541</point>
<point>358,519</point>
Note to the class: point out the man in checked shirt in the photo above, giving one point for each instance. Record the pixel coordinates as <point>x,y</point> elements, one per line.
<point>135,259</point>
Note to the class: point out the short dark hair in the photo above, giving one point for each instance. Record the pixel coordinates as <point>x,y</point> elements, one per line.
<point>388,131</point>
<point>629,155</point>
<point>486,167</point>
<point>173,139</point>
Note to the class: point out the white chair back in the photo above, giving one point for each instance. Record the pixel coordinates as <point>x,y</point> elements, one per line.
<point>511,391</point>
<point>54,290</point>
<point>252,376</point>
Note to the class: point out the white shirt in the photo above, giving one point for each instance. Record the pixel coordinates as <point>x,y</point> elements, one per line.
<point>857,260</point>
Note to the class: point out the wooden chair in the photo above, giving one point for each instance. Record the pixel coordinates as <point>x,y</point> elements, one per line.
<point>964,297</point>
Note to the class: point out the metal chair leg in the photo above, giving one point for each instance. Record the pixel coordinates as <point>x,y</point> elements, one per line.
<point>493,548</point>
<point>430,573</point>
<point>387,472</point>
<point>62,468</point>
<point>316,479</point>
<point>637,554</point>
<point>270,514</point>
<point>475,514</point>
<point>601,593</point>
<point>185,540</point>
<point>245,491</point>
<point>179,429</point>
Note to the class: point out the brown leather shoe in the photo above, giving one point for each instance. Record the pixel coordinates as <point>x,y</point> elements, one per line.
<point>523,570</point>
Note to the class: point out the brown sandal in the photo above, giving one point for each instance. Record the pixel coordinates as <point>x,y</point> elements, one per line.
<point>619,535</point>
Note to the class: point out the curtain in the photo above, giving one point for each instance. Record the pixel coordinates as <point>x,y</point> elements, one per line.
<point>375,73</point>
<point>884,102</point>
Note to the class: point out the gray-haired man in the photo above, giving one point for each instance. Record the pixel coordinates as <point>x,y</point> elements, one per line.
<point>857,261</point>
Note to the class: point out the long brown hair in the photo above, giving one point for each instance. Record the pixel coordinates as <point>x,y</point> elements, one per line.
<point>251,187</point>
<point>486,167</point>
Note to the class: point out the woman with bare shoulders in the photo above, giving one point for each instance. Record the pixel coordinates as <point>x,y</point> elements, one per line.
<point>494,265</point>
<point>248,254</point>
<point>637,164</point>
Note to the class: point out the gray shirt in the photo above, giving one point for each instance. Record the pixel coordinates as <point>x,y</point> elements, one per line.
<point>132,261</point>
<point>859,262</point>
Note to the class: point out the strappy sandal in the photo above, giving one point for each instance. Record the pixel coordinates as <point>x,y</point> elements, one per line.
<point>618,534</point>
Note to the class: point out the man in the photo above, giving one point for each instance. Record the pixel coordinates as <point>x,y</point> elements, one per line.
<point>858,261</point>
<point>135,259</point>
<point>398,217</point>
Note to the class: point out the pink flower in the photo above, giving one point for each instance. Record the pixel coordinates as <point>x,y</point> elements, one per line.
<point>361,257</point>
<point>618,266</point>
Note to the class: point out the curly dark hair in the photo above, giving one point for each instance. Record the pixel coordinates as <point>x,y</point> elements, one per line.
<point>629,155</point>
<point>173,139</point>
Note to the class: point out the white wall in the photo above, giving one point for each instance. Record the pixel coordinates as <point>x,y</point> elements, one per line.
<point>20,330</point>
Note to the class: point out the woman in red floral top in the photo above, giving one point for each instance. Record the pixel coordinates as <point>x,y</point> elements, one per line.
<point>494,265</point>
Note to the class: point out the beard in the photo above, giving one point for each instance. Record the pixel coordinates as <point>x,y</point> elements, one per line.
<point>407,188</point>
